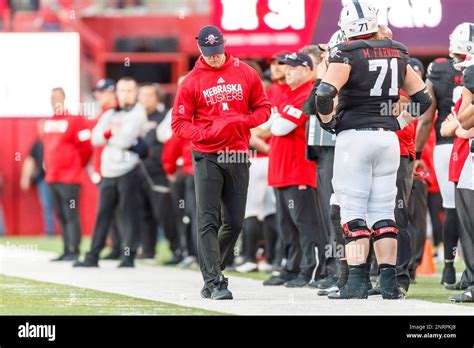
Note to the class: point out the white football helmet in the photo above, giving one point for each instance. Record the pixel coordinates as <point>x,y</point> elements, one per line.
<point>461,40</point>
<point>357,19</point>
<point>336,39</point>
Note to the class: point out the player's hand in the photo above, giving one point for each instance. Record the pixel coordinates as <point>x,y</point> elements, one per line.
<point>419,168</point>
<point>172,177</point>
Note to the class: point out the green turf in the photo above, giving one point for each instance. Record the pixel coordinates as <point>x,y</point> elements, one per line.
<point>27,297</point>
<point>427,287</point>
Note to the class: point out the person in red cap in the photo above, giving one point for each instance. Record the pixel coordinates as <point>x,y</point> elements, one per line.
<point>217,104</point>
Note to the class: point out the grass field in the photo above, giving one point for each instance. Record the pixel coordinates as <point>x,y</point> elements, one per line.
<point>427,288</point>
<point>27,297</point>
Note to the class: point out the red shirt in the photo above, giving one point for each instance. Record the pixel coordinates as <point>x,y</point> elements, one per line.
<point>275,91</point>
<point>460,152</point>
<point>288,165</point>
<point>427,157</point>
<point>67,148</point>
<point>406,136</point>
<point>173,149</point>
<point>216,108</point>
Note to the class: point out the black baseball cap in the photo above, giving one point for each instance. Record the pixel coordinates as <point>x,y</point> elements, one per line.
<point>211,40</point>
<point>298,59</point>
<point>416,64</point>
<point>105,84</point>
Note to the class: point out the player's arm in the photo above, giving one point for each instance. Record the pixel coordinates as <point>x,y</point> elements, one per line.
<point>261,133</point>
<point>131,129</point>
<point>259,144</point>
<point>182,116</point>
<point>466,115</point>
<point>420,98</point>
<point>335,78</point>
<point>259,103</point>
<point>425,122</point>
<point>282,127</point>
<point>99,133</point>
<point>27,171</point>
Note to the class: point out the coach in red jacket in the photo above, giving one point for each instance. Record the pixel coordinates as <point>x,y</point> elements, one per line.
<point>67,149</point>
<point>217,104</point>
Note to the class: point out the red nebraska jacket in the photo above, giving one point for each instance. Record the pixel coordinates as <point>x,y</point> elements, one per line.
<point>67,148</point>
<point>216,108</point>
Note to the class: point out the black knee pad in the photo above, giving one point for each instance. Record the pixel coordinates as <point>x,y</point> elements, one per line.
<point>355,229</point>
<point>385,229</point>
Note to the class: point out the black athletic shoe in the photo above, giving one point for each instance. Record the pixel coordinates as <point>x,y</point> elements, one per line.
<point>88,262</point>
<point>375,291</point>
<point>70,257</point>
<point>388,284</point>
<point>298,282</point>
<point>356,286</point>
<point>127,262</point>
<point>113,255</point>
<point>342,280</point>
<point>60,258</point>
<point>324,283</point>
<point>458,286</point>
<point>205,292</point>
<point>173,261</point>
<point>220,291</point>
<point>465,297</point>
<point>449,274</point>
<point>279,280</point>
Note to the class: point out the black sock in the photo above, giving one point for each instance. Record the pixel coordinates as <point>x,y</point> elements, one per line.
<point>450,234</point>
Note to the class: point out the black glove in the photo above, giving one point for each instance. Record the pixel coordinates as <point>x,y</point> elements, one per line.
<point>309,106</point>
<point>332,125</point>
<point>140,147</point>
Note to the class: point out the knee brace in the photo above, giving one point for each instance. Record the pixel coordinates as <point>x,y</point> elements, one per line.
<point>385,229</point>
<point>355,229</point>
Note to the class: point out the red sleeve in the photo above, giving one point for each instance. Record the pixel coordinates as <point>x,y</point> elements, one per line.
<point>259,102</point>
<point>182,115</point>
<point>294,113</point>
<point>172,150</point>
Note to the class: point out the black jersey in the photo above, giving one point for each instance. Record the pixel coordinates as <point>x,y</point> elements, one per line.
<point>447,86</point>
<point>378,70</point>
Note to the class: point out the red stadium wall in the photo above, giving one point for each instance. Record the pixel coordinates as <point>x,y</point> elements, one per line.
<point>22,210</point>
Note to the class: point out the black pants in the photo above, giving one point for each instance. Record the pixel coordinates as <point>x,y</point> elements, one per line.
<point>273,243</point>
<point>156,209</point>
<point>418,207</point>
<point>465,211</point>
<point>297,222</point>
<point>402,215</point>
<point>221,196</point>
<point>325,169</point>
<point>190,212</point>
<point>118,193</point>
<point>115,235</point>
<point>435,207</point>
<point>65,199</point>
